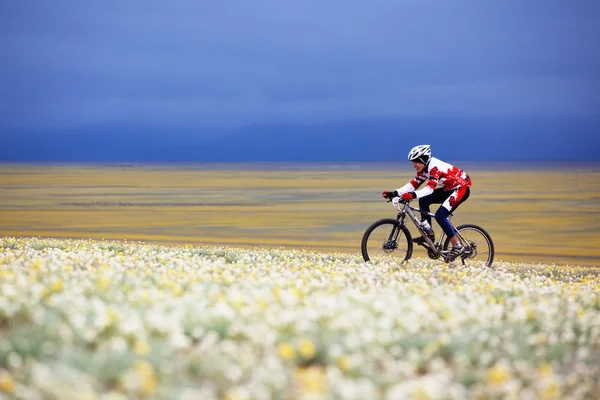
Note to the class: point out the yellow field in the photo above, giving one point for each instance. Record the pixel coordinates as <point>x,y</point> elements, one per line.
<point>532,215</point>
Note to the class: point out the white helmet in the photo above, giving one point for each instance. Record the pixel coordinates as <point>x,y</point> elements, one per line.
<point>421,153</point>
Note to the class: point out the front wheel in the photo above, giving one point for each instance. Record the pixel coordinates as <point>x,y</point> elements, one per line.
<point>387,238</point>
<point>479,248</point>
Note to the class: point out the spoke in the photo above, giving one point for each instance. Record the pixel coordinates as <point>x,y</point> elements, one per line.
<point>379,239</point>
<point>476,240</point>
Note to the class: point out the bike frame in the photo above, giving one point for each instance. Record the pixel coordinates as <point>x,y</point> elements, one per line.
<point>409,210</point>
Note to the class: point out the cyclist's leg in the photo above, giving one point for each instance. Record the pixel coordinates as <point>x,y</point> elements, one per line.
<point>456,198</point>
<point>437,197</point>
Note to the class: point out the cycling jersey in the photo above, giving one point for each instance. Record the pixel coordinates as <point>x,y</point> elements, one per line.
<point>437,173</point>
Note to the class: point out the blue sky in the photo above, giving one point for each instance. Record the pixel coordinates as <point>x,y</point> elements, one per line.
<point>219,66</point>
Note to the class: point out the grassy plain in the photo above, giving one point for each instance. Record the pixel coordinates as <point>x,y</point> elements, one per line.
<point>533,214</point>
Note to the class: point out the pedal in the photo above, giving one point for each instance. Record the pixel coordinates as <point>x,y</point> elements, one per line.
<point>420,240</point>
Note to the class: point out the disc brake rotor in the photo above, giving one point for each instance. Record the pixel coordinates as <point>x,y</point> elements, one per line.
<point>389,246</point>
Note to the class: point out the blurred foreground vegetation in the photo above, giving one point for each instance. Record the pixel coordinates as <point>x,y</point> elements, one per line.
<point>121,320</point>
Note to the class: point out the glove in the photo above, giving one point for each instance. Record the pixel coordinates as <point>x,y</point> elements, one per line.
<point>408,196</point>
<point>389,195</point>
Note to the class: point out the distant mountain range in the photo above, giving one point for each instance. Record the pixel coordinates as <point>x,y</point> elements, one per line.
<point>476,139</point>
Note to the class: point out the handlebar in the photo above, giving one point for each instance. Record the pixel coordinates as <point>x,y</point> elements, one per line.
<point>399,201</point>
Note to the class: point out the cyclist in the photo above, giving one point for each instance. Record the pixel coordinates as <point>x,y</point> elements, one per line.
<point>455,189</point>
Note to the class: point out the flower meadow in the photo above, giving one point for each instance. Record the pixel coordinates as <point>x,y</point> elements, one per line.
<point>83,319</point>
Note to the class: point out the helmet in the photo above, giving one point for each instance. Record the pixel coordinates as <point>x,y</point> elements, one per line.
<point>421,153</point>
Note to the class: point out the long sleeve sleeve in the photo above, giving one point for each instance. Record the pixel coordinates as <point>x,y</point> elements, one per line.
<point>412,185</point>
<point>434,176</point>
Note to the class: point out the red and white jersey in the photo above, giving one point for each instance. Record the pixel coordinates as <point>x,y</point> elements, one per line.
<point>437,173</point>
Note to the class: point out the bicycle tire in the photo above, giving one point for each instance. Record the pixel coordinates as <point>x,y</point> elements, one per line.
<point>486,236</point>
<point>393,224</point>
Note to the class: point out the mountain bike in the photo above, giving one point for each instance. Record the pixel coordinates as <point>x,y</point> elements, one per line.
<point>387,237</point>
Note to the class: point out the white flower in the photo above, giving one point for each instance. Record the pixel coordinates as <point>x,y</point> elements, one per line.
<point>146,320</point>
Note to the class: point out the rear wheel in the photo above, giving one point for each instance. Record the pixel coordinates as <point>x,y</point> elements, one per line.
<point>387,239</point>
<point>479,247</point>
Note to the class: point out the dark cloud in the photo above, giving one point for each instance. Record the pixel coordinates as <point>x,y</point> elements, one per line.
<point>184,62</point>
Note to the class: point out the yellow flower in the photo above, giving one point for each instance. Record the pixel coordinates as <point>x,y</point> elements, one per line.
<point>530,314</point>
<point>262,304</point>
<point>306,348</point>
<point>236,394</point>
<point>421,394</point>
<point>104,282</point>
<point>141,348</point>
<point>286,351</point>
<point>7,384</point>
<point>552,391</point>
<point>146,372</point>
<point>545,369</point>
<point>6,275</point>
<point>112,316</point>
<point>37,263</point>
<point>57,285</point>
<point>311,379</point>
<point>344,363</point>
<point>498,374</point>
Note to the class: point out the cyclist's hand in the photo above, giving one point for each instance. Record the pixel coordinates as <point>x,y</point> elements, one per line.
<point>389,195</point>
<point>408,196</point>
<point>397,202</point>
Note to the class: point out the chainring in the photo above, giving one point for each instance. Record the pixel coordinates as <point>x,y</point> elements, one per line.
<point>432,254</point>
